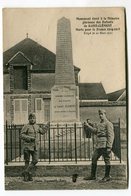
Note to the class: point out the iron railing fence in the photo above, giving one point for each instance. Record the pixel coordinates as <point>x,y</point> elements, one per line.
<point>59,144</point>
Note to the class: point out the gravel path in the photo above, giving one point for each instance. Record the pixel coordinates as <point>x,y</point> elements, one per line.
<point>61,183</point>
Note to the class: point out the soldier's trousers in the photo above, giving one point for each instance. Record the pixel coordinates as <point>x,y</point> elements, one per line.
<point>101,152</point>
<point>27,154</point>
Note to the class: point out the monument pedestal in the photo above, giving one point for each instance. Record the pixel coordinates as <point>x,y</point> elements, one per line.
<point>64,104</point>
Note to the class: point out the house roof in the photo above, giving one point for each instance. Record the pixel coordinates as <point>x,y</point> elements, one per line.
<point>92,91</point>
<point>41,58</point>
<point>87,91</point>
<point>20,58</point>
<point>117,95</point>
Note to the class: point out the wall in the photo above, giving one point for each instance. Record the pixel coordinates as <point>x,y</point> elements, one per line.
<point>6,105</point>
<point>113,113</point>
<point>42,81</point>
<point>6,82</point>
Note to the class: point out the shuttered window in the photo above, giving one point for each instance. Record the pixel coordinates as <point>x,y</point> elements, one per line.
<point>20,111</point>
<point>39,110</point>
<point>47,110</point>
<point>42,110</point>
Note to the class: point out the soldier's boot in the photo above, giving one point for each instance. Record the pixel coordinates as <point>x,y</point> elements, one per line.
<point>29,171</point>
<point>26,177</point>
<point>30,176</point>
<point>107,176</point>
<point>93,173</point>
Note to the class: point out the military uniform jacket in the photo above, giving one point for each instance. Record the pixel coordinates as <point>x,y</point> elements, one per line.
<point>104,135</point>
<point>30,136</point>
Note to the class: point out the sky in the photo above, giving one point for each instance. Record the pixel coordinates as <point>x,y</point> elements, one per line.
<point>101,58</point>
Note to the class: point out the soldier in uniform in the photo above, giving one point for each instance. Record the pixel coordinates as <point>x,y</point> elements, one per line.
<point>30,136</point>
<point>104,141</point>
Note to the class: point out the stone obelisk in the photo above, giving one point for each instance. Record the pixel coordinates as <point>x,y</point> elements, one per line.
<point>64,94</point>
<point>64,71</point>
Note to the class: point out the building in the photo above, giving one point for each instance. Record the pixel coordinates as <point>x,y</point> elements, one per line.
<point>119,95</point>
<point>29,74</point>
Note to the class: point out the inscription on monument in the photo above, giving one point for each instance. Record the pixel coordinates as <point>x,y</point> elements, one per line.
<point>64,103</point>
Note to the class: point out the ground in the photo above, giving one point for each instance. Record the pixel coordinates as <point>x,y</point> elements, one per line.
<point>61,183</point>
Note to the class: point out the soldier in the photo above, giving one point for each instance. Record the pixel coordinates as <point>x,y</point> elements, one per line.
<point>30,136</point>
<point>104,141</point>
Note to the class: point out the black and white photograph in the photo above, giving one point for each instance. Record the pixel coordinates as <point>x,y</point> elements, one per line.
<point>65,98</point>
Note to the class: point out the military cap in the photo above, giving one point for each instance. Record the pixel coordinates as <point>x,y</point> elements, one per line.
<point>101,111</point>
<point>32,115</point>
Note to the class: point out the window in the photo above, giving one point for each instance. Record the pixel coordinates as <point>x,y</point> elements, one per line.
<point>47,110</point>
<point>42,110</point>
<point>20,77</point>
<point>38,104</point>
<point>20,111</point>
<point>39,110</point>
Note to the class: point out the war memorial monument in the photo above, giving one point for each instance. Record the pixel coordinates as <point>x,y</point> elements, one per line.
<point>65,93</point>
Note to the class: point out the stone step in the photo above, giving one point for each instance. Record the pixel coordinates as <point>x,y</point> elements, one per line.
<point>118,170</point>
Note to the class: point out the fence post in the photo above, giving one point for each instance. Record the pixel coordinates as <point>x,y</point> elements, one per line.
<point>49,144</point>
<point>40,146</point>
<point>11,146</point>
<point>58,140</point>
<point>6,161</point>
<point>14,127</point>
<point>119,137</point>
<point>66,144</point>
<point>75,143</point>
<point>19,144</point>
